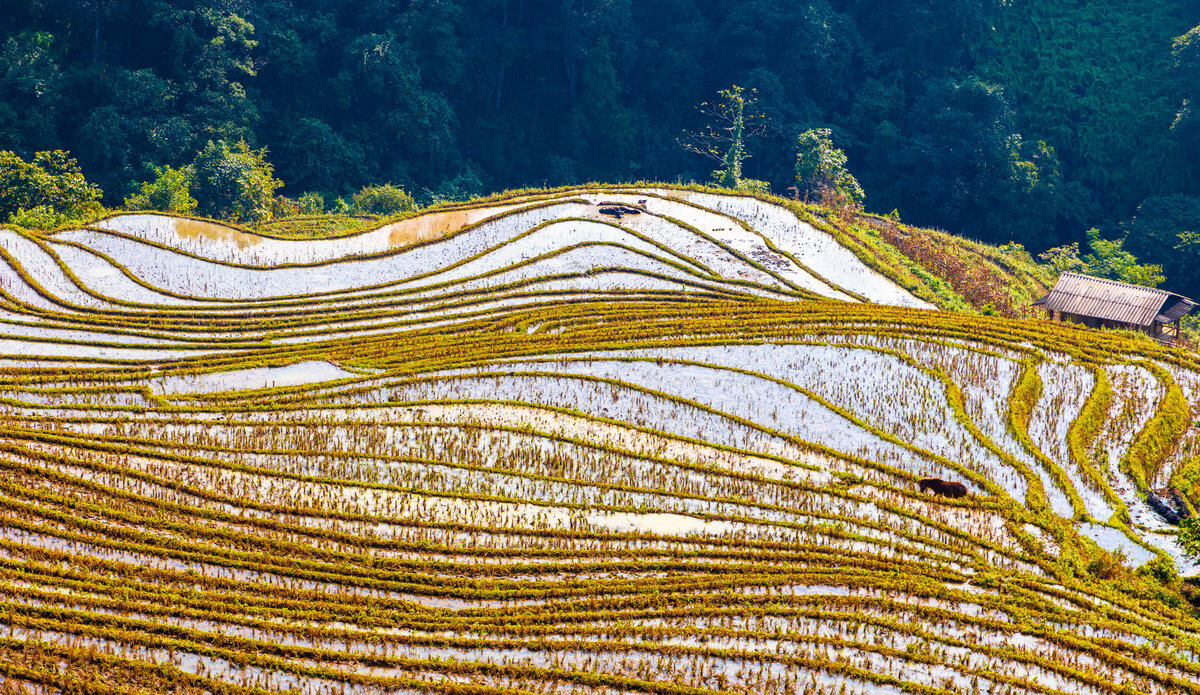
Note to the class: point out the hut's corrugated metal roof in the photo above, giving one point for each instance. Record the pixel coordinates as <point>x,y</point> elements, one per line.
<point>1110,300</point>
<point>1176,311</point>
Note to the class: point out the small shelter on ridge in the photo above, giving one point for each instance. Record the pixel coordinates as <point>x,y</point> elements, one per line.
<point>1100,303</point>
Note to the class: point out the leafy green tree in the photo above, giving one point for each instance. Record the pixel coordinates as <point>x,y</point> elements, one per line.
<point>30,82</point>
<point>384,199</point>
<point>221,101</point>
<point>318,157</point>
<point>1189,537</point>
<point>136,128</point>
<point>821,170</point>
<point>233,181</point>
<point>923,38</point>
<point>1166,229</point>
<point>964,167</point>
<point>432,28</point>
<point>1093,80</point>
<point>169,192</point>
<point>606,125</point>
<point>465,186</point>
<point>220,59</point>
<point>1064,259</point>
<point>1109,259</point>
<point>807,46</point>
<point>52,181</point>
<point>728,124</point>
<point>208,49</point>
<point>311,204</point>
<point>1185,69</point>
<point>412,127</point>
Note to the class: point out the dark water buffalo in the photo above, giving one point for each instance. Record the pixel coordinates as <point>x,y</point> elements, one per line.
<point>616,210</point>
<point>943,487</point>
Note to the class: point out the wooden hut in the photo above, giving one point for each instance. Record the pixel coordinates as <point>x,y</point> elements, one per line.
<point>1100,303</point>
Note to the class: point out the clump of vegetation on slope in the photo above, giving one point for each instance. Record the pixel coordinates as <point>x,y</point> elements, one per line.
<point>47,192</point>
<point>965,275</point>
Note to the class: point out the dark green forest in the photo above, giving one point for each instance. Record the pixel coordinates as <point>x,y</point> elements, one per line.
<point>1031,120</point>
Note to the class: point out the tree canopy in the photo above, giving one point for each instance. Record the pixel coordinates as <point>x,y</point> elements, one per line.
<point>233,181</point>
<point>51,184</point>
<point>821,170</point>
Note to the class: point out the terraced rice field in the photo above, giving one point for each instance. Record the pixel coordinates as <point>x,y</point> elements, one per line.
<point>525,447</point>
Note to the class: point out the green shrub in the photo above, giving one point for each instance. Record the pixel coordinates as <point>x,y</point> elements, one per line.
<point>384,199</point>
<point>311,204</point>
<point>754,186</point>
<point>1161,569</point>
<point>1108,564</point>
<point>1109,259</point>
<point>1189,537</point>
<point>40,217</point>
<point>234,182</point>
<point>283,206</point>
<point>1064,259</point>
<point>52,181</point>
<point>821,171</point>
<point>169,192</point>
<point>466,185</point>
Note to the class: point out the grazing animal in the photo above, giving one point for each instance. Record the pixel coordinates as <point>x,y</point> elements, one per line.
<point>618,210</point>
<point>943,487</point>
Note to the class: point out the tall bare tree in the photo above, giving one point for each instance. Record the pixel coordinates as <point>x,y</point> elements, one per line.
<point>729,123</point>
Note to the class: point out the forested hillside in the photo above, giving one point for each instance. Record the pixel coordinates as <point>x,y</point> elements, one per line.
<point>1028,121</point>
